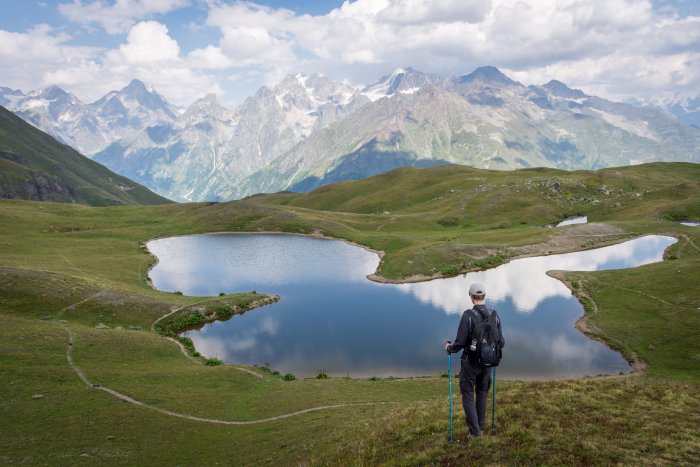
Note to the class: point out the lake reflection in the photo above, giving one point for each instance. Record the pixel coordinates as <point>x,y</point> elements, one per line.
<point>332,318</point>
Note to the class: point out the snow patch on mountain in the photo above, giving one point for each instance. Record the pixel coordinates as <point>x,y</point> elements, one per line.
<point>640,127</point>
<point>400,81</point>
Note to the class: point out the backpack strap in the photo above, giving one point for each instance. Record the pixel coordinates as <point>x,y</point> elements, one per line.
<point>473,322</point>
<point>480,314</point>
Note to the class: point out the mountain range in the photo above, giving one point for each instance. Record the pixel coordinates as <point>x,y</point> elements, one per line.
<point>308,131</point>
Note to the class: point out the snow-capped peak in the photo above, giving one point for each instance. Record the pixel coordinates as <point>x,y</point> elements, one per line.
<point>53,99</point>
<point>401,80</point>
<point>53,93</point>
<point>10,97</point>
<point>308,92</point>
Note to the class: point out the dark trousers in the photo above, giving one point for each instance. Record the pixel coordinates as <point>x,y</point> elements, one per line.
<point>473,378</point>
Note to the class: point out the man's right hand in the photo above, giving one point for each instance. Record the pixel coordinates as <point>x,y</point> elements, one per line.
<point>447,346</point>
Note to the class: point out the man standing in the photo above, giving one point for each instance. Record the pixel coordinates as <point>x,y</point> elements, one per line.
<point>473,333</point>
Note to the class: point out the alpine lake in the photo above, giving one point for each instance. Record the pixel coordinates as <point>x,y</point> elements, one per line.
<point>331,318</point>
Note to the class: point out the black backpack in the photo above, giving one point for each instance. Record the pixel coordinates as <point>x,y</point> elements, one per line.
<point>486,336</point>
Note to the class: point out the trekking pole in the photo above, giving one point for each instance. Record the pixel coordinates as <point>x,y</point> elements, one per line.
<point>449,376</point>
<point>493,403</point>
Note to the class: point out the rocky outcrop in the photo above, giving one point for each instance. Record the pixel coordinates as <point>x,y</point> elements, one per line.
<point>35,185</point>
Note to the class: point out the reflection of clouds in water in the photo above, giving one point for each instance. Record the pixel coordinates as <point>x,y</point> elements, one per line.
<point>448,294</point>
<point>525,280</point>
<point>209,264</point>
<point>555,356</point>
<point>240,345</point>
<point>211,346</point>
<point>269,326</point>
<point>208,343</point>
<point>580,354</point>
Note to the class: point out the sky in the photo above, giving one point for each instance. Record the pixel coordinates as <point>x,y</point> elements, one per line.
<point>185,49</point>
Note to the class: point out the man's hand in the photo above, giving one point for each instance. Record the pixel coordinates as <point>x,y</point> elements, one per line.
<point>447,346</point>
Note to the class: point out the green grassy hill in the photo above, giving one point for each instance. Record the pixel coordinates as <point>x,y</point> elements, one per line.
<point>33,165</point>
<point>73,285</point>
<point>451,219</point>
<point>536,195</point>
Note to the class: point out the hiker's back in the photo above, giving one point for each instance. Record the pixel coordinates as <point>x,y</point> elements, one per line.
<point>486,337</point>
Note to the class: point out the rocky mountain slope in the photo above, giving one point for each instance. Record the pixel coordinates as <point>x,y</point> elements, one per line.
<point>34,166</point>
<point>484,120</point>
<point>208,151</point>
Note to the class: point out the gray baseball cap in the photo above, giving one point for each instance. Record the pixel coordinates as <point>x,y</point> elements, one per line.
<point>477,289</point>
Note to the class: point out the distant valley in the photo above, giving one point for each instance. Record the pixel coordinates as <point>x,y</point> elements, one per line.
<point>308,131</point>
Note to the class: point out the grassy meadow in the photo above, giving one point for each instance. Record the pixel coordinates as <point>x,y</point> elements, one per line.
<point>71,271</point>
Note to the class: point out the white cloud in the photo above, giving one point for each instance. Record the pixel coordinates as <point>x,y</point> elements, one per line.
<point>607,45</point>
<point>612,48</point>
<point>148,42</point>
<point>119,16</point>
<point>26,58</point>
<point>254,35</point>
<point>246,46</point>
<point>40,57</point>
<point>209,57</point>
<point>427,11</point>
<point>151,55</point>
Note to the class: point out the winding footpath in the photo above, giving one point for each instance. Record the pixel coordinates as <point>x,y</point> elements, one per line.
<point>83,377</point>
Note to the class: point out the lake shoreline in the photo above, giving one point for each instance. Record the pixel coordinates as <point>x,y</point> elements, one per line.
<point>588,235</point>
<point>584,326</point>
<point>591,231</point>
<point>316,234</point>
<point>581,324</point>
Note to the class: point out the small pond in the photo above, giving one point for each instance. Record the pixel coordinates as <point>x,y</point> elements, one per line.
<point>691,223</point>
<point>331,317</point>
<point>573,220</point>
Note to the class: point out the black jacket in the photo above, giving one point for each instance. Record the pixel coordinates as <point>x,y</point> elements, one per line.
<point>464,331</point>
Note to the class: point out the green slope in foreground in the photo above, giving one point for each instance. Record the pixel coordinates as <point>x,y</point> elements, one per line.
<point>33,165</point>
<point>71,270</point>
